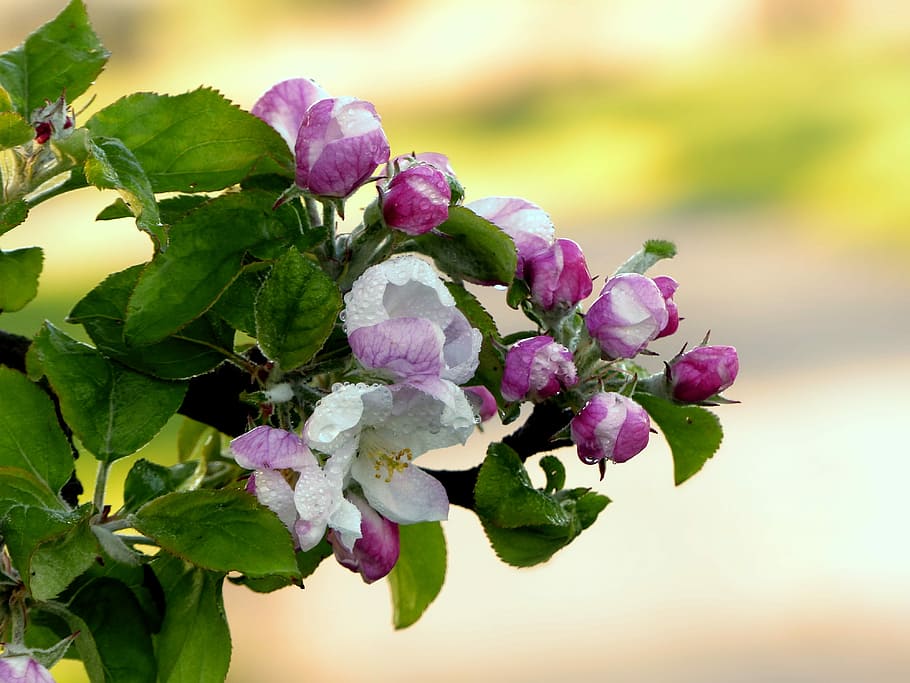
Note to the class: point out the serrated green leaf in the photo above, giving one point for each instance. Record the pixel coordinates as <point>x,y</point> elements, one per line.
<point>14,130</point>
<point>470,248</point>
<point>12,214</point>
<point>505,495</point>
<point>651,252</point>
<point>523,546</point>
<point>111,165</point>
<point>204,256</point>
<point>148,480</point>
<point>296,309</point>
<point>49,547</point>
<point>113,410</point>
<point>693,433</point>
<point>223,530</point>
<point>417,577</point>
<point>191,351</point>
<point>194,142</point>
<point>64,55</point>
<point>119,628</point>
<point>237,306</point>
<point>19,273</point>
<point>194,643</point>
<point>30,435</point>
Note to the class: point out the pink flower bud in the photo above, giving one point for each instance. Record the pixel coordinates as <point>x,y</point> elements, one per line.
<point>558,277</point>
<point>668,286</point>
<point>481,401</point>
<point>537,368</point>
<point>23,669</point>
<point>53,120</point>
<point>375,553</point>
<point>610,427</point>
<point>440,161</point>
<point>699,374</point>
<point>339,145</point>
<point>284,106</point>
<point>527,224</point>
<point>416,199</point>
<point>628,314</point>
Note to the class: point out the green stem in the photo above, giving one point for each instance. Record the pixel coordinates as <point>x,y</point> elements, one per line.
<point>328,222</point>
<point>104,468</point>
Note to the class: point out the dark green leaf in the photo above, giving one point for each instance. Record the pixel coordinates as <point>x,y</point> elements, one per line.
<point>194,643</point>
<point>309,560</point>
<point>652,252</point>
<point>113,410</point>
<point>120,631</point>
<point>19,488</point>
<point>147,481</point>
<point>191,351</point>
<point>49,547</point>
<point>204,256</point>
<point>30,435</point>
<point>194,142</point>
<point>237,306</point>
<point>222,530</point>
<point>19,273</point>
<point>492,358</point>
<point>296,309</point>
<point>470,248</point>
<point>12,214</point>
<point>111,165</point>
<point>555,471</point>
<point>84,642</point>
<point>693,433</point>
<point>63,55</point>
<point>417,577</point>
<point>14,130</point>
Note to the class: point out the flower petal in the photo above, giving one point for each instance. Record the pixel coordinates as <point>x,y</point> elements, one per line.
<point>284,106</point>
<point>408,496</point>
<point>273,491</point>
<point>269,448</point>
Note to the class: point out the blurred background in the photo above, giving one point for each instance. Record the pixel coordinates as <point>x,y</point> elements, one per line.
<point>770,140</point>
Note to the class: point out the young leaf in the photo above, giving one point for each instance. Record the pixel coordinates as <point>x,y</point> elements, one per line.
<point>195,349</point>
<point>470,248</point>
<point>194,643</point>
<point>111,165</point>
<point>19,272</point>
<point>12,214</point>
<point>204,256</point>
<point>223,530</point>
<point>693,433</point>
<point>296,309</point>
<point>30,435</point>
<point>14,130</point>
<point>119,628</point>
<point>113,410</point>
<point>194,142</point>
<point>417,577</point>
<point>64,55</point>
<point>652,252</point>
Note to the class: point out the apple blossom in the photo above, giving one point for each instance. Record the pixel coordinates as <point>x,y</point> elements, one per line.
<point>529,226</point>
<point>668,286</point>
<point>701,373</point>
<point>416,199</point>
<point>629,313</point>
<point>610,427</point>
<point>558,277</point>
<point>537,368</point>
<point>285,104</point>
<point>376,551</point>
<point>23,669</point>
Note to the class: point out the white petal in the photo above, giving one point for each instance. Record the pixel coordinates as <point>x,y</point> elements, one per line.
<point>410,495</point>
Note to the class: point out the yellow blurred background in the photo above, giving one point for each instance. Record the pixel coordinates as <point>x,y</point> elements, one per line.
<point>770,140</point>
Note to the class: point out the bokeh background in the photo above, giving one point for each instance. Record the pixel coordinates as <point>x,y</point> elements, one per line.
<point>769,139</point>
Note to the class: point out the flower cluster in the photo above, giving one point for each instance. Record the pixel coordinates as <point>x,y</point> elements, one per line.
<point>348,475</point>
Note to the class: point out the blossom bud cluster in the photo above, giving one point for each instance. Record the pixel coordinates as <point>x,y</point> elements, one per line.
<point>348,474</point>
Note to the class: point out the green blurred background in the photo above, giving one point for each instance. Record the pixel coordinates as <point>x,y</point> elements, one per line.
<point>769,139</point>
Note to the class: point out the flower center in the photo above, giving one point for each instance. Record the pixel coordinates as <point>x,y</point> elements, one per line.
<point>387,463</point>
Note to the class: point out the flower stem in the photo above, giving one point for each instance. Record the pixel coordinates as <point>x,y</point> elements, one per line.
<point>100,484</point>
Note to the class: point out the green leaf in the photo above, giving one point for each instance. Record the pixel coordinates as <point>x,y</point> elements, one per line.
<point>19,273</point>
<point>111,165</point>
<point>204,256</point>
<point>84,642</point>
<point>417,577</point>
<point>50,547</point>
<point>191,351</point>
<point>237,306</point>
<point>470,248</point>
<point>525,525</point>
<point>113,410</point>
<point>308,561</point>
<point>555,472</point>
<point>652,252</point>
<point>30,435</point>
<point>119,628</point>
<point>194,643</point>
<point>224,530</point>
<point>14,130</point>
<point>147,481</point>
<point>194,142</point>
<point>64,55</point>
<point>296,309</point>
<point>12,214</point>
<point>693,433</point>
